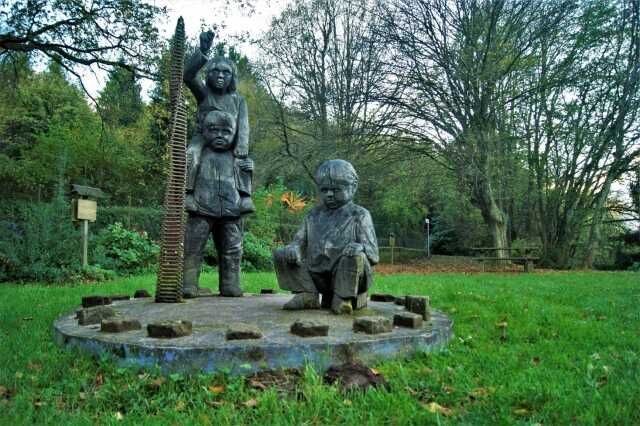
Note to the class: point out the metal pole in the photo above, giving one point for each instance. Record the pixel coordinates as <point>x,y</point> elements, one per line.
<point>85,242</point>
<point>428,240</point>
<point>426,222</point>
<point>392,243</point>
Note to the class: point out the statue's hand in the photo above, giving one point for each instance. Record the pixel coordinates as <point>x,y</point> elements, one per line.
<point>206,40</point>
<point>240,152</point>
<point>292,254</point>
<point>352,249</point>
<point>246,164</point>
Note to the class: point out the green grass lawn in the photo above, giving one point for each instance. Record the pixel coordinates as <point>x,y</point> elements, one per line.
<point>570,354</point>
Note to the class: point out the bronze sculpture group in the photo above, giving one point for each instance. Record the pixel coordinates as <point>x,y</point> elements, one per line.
<point>329,263</point>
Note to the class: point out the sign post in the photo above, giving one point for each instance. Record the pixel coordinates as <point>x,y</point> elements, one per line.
<point>392,244</point>
<point>426,223</point>
<point>84,208</point>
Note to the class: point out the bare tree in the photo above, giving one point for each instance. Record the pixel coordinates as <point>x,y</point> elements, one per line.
<point>583,131</point>
<point>455,66</point>
<point>323,66</point>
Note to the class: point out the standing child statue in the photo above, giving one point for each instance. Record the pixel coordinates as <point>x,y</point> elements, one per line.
<point>217,93</point>
<point>214,207</point>
<point>333,252</point>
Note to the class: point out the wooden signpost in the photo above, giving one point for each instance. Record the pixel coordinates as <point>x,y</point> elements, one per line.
<point>84,208</point>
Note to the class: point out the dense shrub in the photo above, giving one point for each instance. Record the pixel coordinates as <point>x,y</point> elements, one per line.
<point>627,253</point>
<point>126,251</point>
<point>148,219</point>
<point>256,254</point>
<point>276,221</point>
<point>40,243</point>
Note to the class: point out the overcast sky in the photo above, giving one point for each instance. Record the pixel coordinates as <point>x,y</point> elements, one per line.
<point>232,21</point>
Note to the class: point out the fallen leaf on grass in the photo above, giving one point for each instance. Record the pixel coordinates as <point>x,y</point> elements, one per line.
<point>521,412</point>
<point>181,405</point>
<point>602,380</point>
<point>37,403</point>
<point>448,389</point>
<point>5,395</point>
<point>99,381</point>
<point>252,403</point>
<point>60,404</point>
<point>256,384</point>
<point>119,416</point>
<point>602,318</point>
<point>347,402</point>
<point>374,371</point>
<point>216,389</point>
<point>214,404</point>
<point>82,396</point>
<point>434,407</point>
<point>595,356</point>
<point>156,383</point>
<point>478,393</point>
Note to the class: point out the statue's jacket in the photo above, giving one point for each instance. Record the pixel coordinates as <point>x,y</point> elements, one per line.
<point>216,186</point>
<point>325,233</point>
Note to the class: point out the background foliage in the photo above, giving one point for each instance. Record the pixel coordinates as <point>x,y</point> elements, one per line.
<point>537,145</point>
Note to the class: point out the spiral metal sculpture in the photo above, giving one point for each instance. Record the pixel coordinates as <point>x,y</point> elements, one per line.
<point>169,284</point>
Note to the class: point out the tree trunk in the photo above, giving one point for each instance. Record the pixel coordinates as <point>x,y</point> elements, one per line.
<point>496,220</point>
<point>596,223</point>
<point>493,215</point>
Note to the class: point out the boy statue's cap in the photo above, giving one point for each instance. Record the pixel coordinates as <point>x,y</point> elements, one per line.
<point>338,171</point>
<point>217,116</point>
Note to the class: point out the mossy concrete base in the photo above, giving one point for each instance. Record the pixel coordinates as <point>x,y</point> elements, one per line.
<point>207,350</point>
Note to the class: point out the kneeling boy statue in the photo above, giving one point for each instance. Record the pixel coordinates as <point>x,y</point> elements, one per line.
<point>334,250</point>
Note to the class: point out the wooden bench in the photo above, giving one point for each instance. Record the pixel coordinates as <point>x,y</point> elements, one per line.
<point>527,262</point>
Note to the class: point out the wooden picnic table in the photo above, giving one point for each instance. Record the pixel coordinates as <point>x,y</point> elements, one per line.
<point>526,260</point>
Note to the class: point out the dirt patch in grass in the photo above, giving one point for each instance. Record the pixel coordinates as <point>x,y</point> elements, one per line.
<point>444,264</point>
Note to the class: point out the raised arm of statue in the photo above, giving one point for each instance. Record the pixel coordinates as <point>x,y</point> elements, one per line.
<point>190,76</point>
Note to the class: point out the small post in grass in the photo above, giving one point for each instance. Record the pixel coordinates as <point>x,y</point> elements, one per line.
<point>84,208</point>
<point>392,244</point>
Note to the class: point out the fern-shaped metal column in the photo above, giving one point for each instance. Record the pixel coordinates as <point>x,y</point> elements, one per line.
<point>169,284</point>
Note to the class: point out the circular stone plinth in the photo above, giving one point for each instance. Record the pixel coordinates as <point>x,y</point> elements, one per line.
<point>207,350</point>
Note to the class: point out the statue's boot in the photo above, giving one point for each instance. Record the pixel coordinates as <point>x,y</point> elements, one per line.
<point>229,276</point>
<point>303,300</point>
<point>190,287</point>
<point>348,275</point>
<point>341,306</point>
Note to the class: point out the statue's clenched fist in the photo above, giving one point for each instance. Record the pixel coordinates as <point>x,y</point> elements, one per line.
<point>206,40</point>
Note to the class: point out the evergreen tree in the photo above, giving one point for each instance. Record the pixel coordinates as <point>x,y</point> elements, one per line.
<point>120,103</point>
